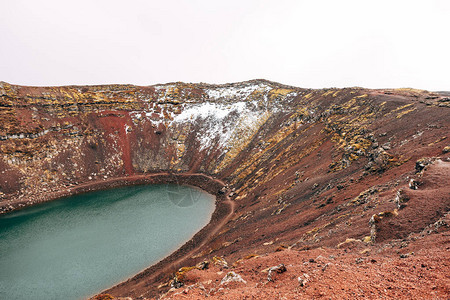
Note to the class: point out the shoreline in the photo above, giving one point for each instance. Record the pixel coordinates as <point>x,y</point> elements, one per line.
<point>224,208</point>
<point>10,206</point>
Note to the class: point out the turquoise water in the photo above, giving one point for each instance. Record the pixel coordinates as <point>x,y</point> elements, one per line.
<point>75,247</point>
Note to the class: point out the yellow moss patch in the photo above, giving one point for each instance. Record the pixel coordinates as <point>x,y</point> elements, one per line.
<point>437,141</point>
<point>402,107</point>
<point>257,94</point>
<point>327,93</point>
<point>241,137</point>
<point>279,92</point>
<point>401,114</point>
<point>367,250</point>
<point>250,256</point>
<point>220,261</point>
<point>347,241</point>
<point>367,239</point>
<point>307,96</point>
<point>410,92</point>
<point>349,103</point>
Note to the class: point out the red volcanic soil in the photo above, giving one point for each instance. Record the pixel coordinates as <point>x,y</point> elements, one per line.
<point>414,268</point>
<point>411,259</point>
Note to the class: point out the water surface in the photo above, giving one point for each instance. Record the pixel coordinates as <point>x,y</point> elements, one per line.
<point>75,247</point>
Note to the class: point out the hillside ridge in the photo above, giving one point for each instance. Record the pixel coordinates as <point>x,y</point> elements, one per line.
<point>304,168</point>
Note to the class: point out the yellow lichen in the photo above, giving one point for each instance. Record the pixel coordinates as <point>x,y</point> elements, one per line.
<point>347,241</point>
<point>401,114</point>
<point>327,93</point>
<point>367,239</point>
<point>402,107</point>
<point>241,137</point>
<point>307,96</point>
<point>279,92</point>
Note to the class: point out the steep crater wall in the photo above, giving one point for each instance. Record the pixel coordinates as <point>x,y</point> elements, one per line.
<point>304,167</point>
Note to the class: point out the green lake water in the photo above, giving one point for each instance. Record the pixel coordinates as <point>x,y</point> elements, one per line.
<point>75,247</point>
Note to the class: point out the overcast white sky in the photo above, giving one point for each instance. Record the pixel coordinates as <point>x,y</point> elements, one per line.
<point>314,44</point>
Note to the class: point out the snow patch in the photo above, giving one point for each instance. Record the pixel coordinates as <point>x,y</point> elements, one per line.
<point>230,114</point>
<point>220,122</point>
<point>230,92</point>
<point>210,110</point>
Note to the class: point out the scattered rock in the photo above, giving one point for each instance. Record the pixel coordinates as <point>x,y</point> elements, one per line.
<point>414,184</point>
<point>281,248</point>
<point>232,277</point>
<point>376,218</point>
<point>175,283</point>
<point>406,255</point>
<point>359,260</point>
<point>278,269</point>
<point>401,198</point>
<point>220,261</point>
<point>202,265</point>
<point>302,280</point>
<point>422,163</point>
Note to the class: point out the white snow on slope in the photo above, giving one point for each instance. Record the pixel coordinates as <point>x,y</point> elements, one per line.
<point>211,110</point>
<point>229,92</point>
<point>230,112</point>
<point>219,122</point>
